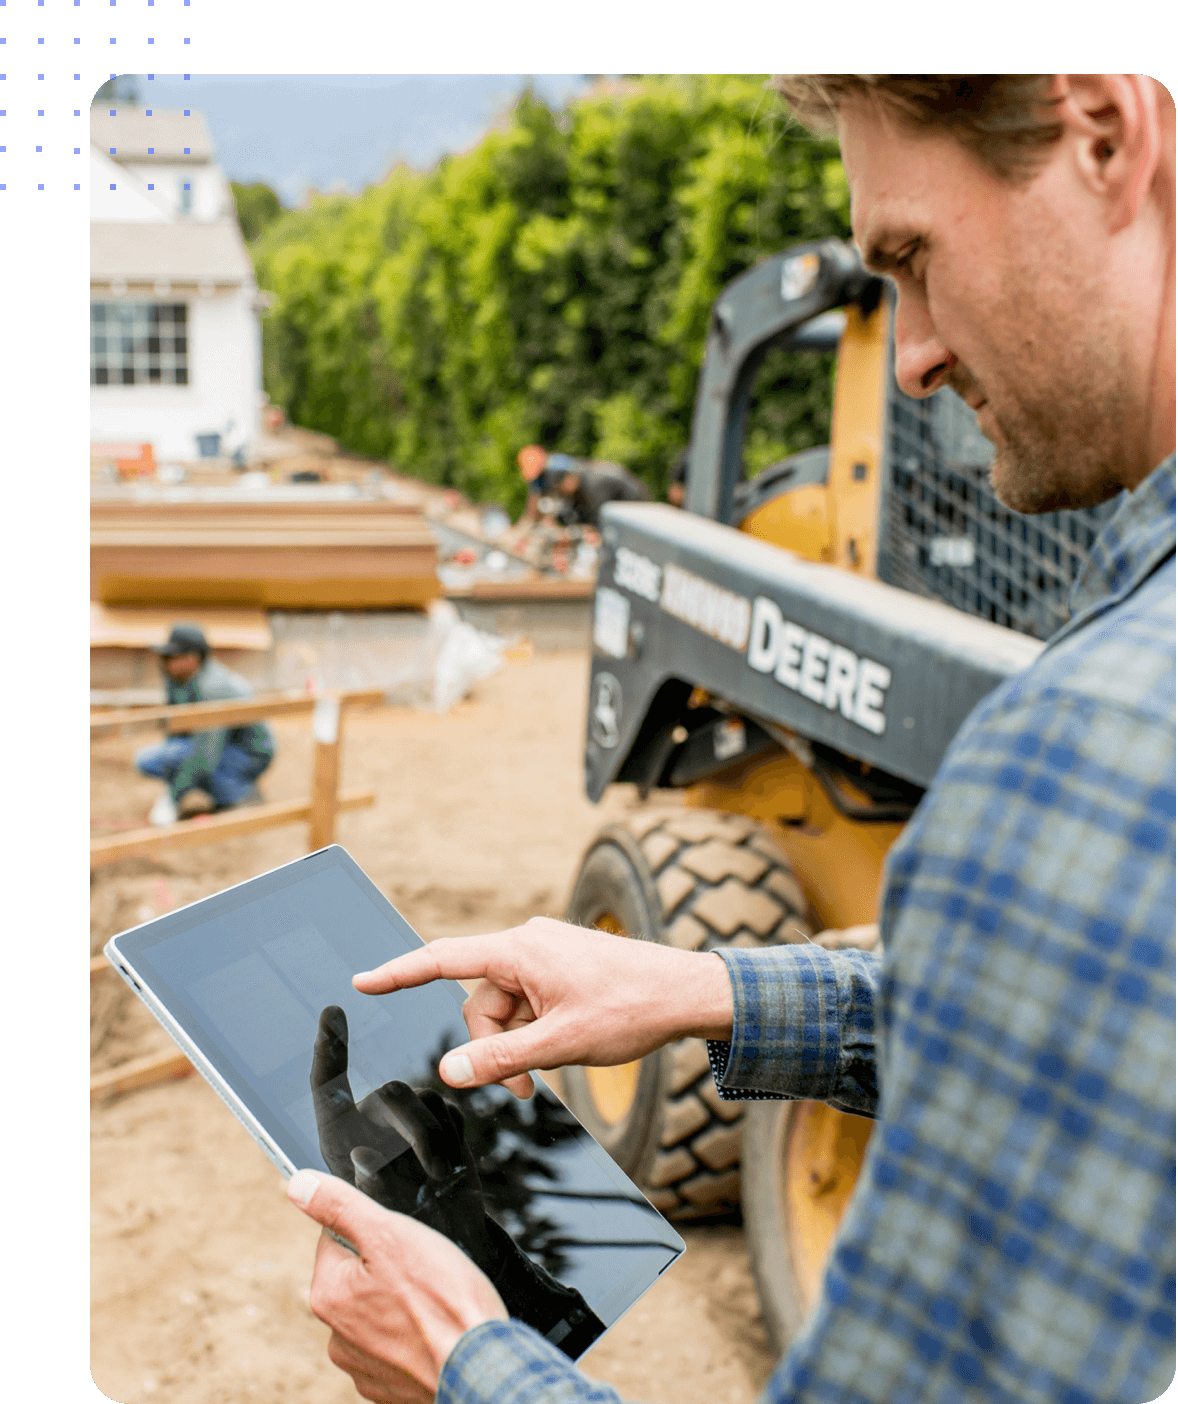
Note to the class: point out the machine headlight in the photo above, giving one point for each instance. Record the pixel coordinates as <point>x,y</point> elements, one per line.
<point>799,275</point>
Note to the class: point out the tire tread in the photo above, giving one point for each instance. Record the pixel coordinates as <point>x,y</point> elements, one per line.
<point>722,881</point>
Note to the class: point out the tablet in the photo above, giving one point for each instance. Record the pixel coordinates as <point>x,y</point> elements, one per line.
<point>255,986</point>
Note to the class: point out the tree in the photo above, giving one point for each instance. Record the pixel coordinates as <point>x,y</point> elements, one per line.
<point>124,89</point>
<point>551,285</point>
<point>257,208</point>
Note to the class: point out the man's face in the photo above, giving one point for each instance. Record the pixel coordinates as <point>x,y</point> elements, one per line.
<point>181,666</point>
<point>1002,295</point>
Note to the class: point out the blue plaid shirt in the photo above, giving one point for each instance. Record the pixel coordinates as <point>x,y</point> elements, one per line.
<point>1011,1236</point>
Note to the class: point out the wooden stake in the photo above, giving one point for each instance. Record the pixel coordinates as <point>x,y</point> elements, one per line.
<point>325,725</point>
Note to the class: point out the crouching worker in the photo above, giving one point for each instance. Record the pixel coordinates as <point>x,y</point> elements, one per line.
<point>224,763</point>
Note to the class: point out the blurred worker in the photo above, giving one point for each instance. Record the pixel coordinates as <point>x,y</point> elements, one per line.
<point>224,763</point>
<point>677,485</point>
<point>581,486</point>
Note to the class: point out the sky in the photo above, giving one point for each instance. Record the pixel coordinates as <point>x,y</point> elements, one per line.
<point>321,132</point>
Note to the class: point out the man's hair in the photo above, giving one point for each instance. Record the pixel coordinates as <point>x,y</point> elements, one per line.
<point>1005,120</point>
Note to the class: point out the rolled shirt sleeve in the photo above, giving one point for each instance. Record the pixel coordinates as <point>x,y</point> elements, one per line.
<point>803,1027</point>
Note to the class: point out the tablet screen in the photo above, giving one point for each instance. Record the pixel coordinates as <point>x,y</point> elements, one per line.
<point>259,978</point>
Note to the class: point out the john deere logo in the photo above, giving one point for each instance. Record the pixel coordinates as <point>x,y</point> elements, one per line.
<point>603,715</point>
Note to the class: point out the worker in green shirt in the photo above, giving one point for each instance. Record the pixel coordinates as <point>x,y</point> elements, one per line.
<point>225,763</point>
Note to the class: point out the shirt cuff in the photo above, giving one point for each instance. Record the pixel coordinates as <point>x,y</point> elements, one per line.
<point>794,1007</point>
<point>506,1362</point>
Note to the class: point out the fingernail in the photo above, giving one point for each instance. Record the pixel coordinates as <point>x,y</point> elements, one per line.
<point>456,1069</point>
<point>301,1187</point>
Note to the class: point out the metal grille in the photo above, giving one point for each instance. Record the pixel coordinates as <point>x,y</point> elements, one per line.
<point>946,536</point>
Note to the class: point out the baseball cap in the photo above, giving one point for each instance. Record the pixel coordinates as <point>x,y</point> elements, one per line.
<point>184,638</point>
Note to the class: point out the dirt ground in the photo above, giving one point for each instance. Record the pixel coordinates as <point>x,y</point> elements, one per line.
<point>199,1265</point>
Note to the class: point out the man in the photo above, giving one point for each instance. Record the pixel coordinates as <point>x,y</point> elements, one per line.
<point>223,763</point>
<point>582,486</point>
<point>677,484</point>
<point>1011,1236</point>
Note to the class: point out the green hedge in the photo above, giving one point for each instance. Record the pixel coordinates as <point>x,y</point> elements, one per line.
<point>551,285</point>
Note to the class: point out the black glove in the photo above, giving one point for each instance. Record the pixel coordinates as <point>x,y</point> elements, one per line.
<point>408,1151</point>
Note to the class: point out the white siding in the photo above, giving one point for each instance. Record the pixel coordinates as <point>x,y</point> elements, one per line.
<point>129,202</point>
<point>224,385</point>
<point>223,394</point>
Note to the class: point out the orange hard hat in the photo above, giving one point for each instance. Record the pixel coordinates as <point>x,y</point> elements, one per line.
<point>531,461</point>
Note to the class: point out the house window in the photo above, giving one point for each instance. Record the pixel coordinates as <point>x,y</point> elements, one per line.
<point>138,343</point>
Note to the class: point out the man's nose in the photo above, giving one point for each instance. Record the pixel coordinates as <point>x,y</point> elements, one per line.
<point>923,362</point>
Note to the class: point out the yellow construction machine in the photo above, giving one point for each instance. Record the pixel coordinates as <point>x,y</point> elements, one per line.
<point>792,653</point>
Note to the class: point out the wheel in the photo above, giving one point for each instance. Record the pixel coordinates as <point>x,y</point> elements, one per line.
<point>800,1164</point>
<point>801,1161</point>
<point>699,880</point>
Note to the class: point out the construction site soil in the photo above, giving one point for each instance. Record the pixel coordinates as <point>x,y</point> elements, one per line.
<point>200,1266</point>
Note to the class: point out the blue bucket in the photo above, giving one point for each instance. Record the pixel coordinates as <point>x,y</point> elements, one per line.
<point>208,445</point>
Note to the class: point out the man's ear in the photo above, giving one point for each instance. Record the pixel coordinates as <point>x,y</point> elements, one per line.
<point>1112,122</point>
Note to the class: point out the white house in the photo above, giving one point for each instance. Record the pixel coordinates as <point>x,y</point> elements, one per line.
<point>175,342</point>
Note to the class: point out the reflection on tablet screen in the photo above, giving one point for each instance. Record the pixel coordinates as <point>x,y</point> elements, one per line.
<point>349,1083</point>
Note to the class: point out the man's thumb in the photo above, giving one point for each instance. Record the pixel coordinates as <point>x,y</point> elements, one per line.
<point>335,1204</point>
<point>494,1059</point>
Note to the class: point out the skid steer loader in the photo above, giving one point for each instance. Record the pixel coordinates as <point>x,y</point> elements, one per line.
<point>794,653</point>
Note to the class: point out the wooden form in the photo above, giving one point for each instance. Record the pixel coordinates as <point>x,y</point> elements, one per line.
<point>532,588</point>
<point>140,1072</point>
<point>319,813</point>
<point>269,554</point>
<point>115,628</point>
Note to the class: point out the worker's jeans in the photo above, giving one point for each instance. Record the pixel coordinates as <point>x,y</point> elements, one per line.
<point>228,785</point>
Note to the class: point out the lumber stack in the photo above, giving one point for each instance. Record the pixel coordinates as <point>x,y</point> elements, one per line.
<point>269,551</point>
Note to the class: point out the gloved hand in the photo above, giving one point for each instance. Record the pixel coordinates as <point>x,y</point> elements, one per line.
<point>435,1179</point>
<point>408,1151</point>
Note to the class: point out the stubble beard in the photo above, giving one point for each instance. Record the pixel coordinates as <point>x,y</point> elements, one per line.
<point>1071,460</point>
<point>1063,405</point>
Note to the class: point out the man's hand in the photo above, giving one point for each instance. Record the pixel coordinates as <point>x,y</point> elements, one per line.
<point>551,994</point>
<point>398,1309</point>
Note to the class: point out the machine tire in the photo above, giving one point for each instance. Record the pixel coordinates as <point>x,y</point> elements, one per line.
<point>699,880</point>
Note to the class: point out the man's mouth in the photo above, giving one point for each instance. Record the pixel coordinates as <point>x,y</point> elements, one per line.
<point>987,425</point>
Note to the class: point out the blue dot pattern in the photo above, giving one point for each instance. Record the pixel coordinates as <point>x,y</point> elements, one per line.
<point>1011,1237</point>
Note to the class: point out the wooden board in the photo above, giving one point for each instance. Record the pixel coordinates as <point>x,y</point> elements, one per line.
<point>276,554</point>
<point>111,627</point>
<point>140,1072</point>
<point>535,588</point>
<point>235,823</point>
<point>226,505</point>
<point>293,590</point>
<point>196,716</point>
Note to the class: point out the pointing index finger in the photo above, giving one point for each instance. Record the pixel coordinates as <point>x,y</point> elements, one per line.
<point>448,958</point>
